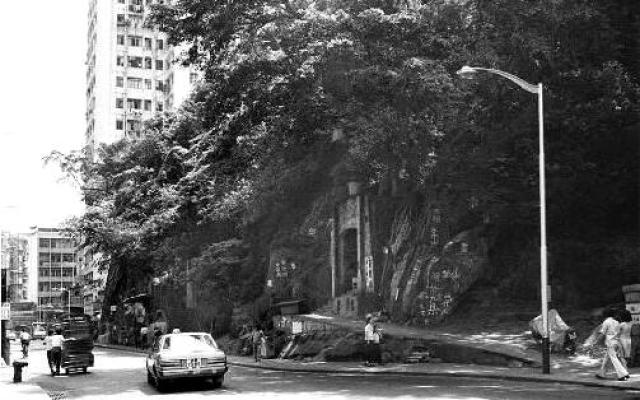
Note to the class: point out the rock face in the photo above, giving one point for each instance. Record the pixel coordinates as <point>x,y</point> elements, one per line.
<point>428,269</point>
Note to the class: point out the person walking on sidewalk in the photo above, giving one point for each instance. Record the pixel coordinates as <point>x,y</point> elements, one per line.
<point>610,330</point>
<point>625,337</point>
<point>25,339</point>
<point>56,351</point>
<point>48,344</point>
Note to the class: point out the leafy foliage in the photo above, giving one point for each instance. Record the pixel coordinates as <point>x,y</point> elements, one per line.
<point>241,164</point>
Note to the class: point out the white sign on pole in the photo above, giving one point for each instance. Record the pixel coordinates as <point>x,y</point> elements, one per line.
<point>5,312</point>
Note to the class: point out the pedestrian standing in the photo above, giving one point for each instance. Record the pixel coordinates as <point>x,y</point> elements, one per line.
<point>625,336</point>
<point>48,345</point>
<point>377,347</point>
<point>144,332</point>
<point>610,331</point>
<point>256,341</point>
<point>56,350</point>
<point>369,341</point>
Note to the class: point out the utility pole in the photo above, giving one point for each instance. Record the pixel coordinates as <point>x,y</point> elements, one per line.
<point>4,354</point>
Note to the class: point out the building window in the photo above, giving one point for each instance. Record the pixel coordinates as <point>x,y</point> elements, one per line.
<point>119,124</point>
<point>193,77</point>
<point>160,86</point>
<point>148,63</point>
<point>135,41</point>
<point>135,104</point>
<point>160,44</point>
<point>121,1</point>
<point>159,107</point>
<point>119,81</point>
<point>147,43</point>
<point>120,19</point>
<point>44,242</point>
<point>159,65</point>
<point>120,61</point>
<point>119,103</point>
<point>147,84</point>
<point>135,62</point>
<point>133,125</point>
<point>121,40</point>
<point>147,105</point>
<point>134,83</point>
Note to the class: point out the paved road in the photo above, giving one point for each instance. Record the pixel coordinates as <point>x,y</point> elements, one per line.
<point>121,375</point>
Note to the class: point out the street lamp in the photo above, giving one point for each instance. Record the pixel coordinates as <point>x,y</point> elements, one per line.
<point>469,72</point>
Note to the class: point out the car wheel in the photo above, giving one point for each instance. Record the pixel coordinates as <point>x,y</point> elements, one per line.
<point>84,370</point>
<point>161,385</point>
<point>66,371</point>
<point>217,381</point>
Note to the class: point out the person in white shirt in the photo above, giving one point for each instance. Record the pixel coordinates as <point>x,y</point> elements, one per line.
<point>56,350</point>
<point>370,340</point>
<point>610,331</point>
<point>48,345</point>
<point>25,339</point>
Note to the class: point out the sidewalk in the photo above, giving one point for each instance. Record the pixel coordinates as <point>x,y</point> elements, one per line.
<point>27,389</point>
<point>509,346</point>
<point>567,373</point>
<point>585,377</point>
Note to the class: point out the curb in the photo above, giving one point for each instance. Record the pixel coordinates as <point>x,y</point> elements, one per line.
<point>452,374</point>
<point>120,348</point>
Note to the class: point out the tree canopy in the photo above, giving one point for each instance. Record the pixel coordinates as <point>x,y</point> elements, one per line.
<point>245,159</point>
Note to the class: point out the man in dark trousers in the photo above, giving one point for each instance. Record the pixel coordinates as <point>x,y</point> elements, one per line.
<point>56,350</point>
<point>256,341</point>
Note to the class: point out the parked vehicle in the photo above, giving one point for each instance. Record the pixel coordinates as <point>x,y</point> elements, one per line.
<point>39,331</point>
<point>189,355</point>
<point>10,335</point>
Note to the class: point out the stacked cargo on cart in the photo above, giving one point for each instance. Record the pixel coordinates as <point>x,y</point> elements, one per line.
<point>78,344</point>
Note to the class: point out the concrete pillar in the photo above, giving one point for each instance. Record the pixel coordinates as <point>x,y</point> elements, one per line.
<point>368,251</point>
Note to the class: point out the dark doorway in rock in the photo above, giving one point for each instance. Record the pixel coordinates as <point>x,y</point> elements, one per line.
<point>348,260</point>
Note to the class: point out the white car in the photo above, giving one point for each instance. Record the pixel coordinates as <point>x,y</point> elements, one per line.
<point>10,335</point>
<point>39,333</point>
<point>189,355</point>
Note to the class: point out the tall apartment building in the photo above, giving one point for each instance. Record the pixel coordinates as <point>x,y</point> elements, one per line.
<point>53,265</point>
<point>131,77</point>
<point>130,71</point>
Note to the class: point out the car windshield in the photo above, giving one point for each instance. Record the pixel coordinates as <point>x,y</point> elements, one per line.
<point>189,342</point>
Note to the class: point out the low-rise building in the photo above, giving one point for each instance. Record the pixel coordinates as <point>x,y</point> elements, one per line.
<point>53,267</point>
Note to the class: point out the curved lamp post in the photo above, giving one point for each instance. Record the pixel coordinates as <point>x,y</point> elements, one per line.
<point>469,72</point>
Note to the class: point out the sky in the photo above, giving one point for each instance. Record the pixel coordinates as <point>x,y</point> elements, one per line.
<point>42,104</point>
